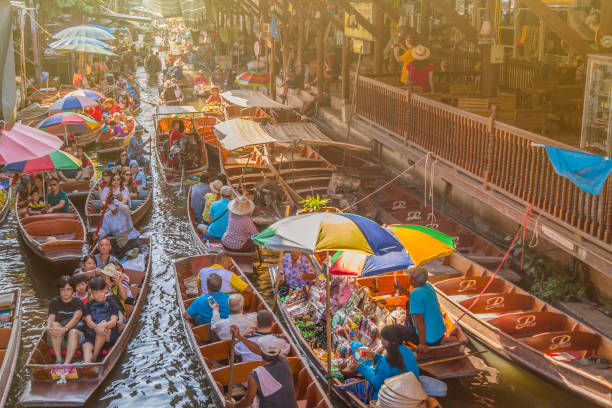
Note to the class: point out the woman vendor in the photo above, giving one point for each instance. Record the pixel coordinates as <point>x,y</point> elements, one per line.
<point>297,269</point>
<point>398,359</point>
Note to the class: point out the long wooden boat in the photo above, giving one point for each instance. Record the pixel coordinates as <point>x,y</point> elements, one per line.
<point>454,361</point>
<point>163,120</point>
<point>10,340</point>
<point>51,385</point>
<point>110,146</point>
<point>32,114</point>
<point>6,207</point>
<point>78,190</point>
<point>138,214</point>
<point>213,355</point>
<point>55,238</point>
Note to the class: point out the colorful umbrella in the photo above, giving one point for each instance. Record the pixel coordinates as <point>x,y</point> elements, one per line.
<point>68,103</point>
<point>75,121</point>
<point>352,263</point>
<point>325,231</point>
<point>422,243</point>
<point>253,79</point>
<point>88,93</point>
<point>24,143</point>
<point>58,160</point>
<point>82,44</point>
<point>86,31</point>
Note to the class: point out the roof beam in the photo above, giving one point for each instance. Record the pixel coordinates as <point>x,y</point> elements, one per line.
<point>361,19</point>
<point>557,26</point>
<point>459,21</point>
<point>329,18</point>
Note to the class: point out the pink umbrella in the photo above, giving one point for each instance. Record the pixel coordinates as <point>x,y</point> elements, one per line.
<point>26,143</point>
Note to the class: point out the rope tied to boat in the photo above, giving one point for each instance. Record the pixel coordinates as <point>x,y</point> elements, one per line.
<point>520,230</point>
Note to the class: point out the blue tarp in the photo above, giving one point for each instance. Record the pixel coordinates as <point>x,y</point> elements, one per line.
<point>588,171</point>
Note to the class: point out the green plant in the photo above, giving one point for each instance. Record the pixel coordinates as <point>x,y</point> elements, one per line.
<point>314,204</point>
<point>558,287</point>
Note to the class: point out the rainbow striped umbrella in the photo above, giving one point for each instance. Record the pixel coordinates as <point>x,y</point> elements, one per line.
<point>87,93</point>
<point>421,245</point>
<point>68,103</point>
<point>73,122</point>
<point>253,79</point>
<point>58,160</point>
<point>325,231</point>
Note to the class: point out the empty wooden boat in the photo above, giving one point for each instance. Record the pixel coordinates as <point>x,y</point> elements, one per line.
<point>175,174</point>
<point>10,339</point>
<point>213,356</point>
<point>56,238</point>
<point>52,385</point>
<point>446,361</point>
<point>138,212</point>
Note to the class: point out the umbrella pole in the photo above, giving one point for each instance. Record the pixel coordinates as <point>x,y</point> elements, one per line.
<point>65,135</point>
<point>279,270</point>
<point>328,324</point>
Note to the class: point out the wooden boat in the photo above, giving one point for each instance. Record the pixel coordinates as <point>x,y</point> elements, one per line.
<point>86,138</point>
<point>163,120</point>
<point>110,146</point>
<point>456,362</point>
<point>138,214</point>
<point>55,238</point>
<point>10,340</point>
<point>51,385</point>
<point>6,206</point>
<point>213,355</point>
<point>78,190</point>
<point>32,114</point>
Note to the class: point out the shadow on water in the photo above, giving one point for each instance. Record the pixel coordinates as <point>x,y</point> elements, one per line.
<point>158,368</point>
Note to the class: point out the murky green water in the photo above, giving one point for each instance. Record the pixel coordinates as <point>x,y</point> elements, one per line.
<point>157,368</point>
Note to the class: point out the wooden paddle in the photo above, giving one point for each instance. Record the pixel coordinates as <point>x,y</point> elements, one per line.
<point>444,360</point>
<point>230,377</point>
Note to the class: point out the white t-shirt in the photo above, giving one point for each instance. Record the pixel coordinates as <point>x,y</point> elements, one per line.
<point>231,282</point>
<point>247,355</point>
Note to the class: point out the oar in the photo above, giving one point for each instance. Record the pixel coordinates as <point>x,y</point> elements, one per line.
<point>230,377</point>
<point>106,202</point>
<point>444,360</point>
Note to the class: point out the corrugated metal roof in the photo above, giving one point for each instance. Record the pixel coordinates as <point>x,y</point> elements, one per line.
<point>249,98</point>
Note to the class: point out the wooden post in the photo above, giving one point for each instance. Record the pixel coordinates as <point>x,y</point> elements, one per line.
<point>346,50</point>
<point>490,72</point>
<point>606,21</point>
<point>273,68</point>
<point>424,17</point>
<point>490,147</point>
<point>35,48</point>
<point>379,44</point>
<point>328,323</point>
<point>320,60</point>
<point>23,59</point>
<point>299,56</point>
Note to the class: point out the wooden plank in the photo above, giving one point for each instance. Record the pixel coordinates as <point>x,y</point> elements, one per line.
<point>557,26</point>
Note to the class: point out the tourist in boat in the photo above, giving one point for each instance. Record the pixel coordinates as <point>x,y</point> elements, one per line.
<point>210,198</point>
<point>297,269</point>
<point>118,290</point>
<point>178,132</point>
<point>35,205</point>
<point>424,323</point>
<point>89,264</point>
<point>69,174</point>
<point>86,165</point>
<point>57,200</point>
<point>271,383</point>
<point>65,312</point>
<point>421,69</point>
<point>81,287</point>
<point>139,178</point>
<point>398,359</point>
<point>221,267</point>
<point>240,226</point>
<point>200,311</point>
<point>198,194</point>
<point>128,183</point>
<point>201,78</point>
<point>247,342</point>
<point>117,191</point>
<point>214,95</point>
<point>117,130</point>
<point>136,150</point>
<point>219,215</point>
<point>117,223</point>
<point>104,257</point>
<point>101,316</point>
<point>221,326</point>
<point>107,179</point>
<point>123,161</point>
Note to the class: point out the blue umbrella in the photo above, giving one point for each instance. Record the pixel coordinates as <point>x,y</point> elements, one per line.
<point>110,30</point>
<point>68,103</point>
<point>352,263</point>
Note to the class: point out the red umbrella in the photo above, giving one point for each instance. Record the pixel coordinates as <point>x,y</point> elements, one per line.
<point>25,143</point>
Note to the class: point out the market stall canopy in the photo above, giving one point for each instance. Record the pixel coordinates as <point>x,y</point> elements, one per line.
<point>23,143</point>
<point>237,133</point>
<point>175,110</point>
<point>249,98</point>
<point>307,132</point>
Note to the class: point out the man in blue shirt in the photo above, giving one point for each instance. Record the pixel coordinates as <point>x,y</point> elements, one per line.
<point>200,311</point>
<point>117,223</point>
<point>425,327</point>
<point>57,199</point>
<point>219,215</point>
<point>198,191</point>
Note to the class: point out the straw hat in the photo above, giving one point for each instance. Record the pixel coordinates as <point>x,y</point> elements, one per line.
<point>420,53</point>
<point>215,186</point>
<point>403,390</point>
<point>241,205</point>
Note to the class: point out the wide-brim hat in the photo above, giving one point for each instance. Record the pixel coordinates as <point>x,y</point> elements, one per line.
<point>420,52</point>
<point>215,186</point>
<point>241,205</point>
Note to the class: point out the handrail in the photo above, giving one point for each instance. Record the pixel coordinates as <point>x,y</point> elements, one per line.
<point>500,156</point>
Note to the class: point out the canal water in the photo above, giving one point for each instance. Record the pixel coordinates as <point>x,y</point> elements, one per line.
<point>158,369</point>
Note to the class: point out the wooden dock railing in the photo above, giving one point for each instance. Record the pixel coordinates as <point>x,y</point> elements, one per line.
<point>501,157</point>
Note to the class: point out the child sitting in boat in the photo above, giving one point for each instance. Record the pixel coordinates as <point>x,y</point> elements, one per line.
<point>101,316</point>
<point>36,205</point>
<point>81,289</point>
